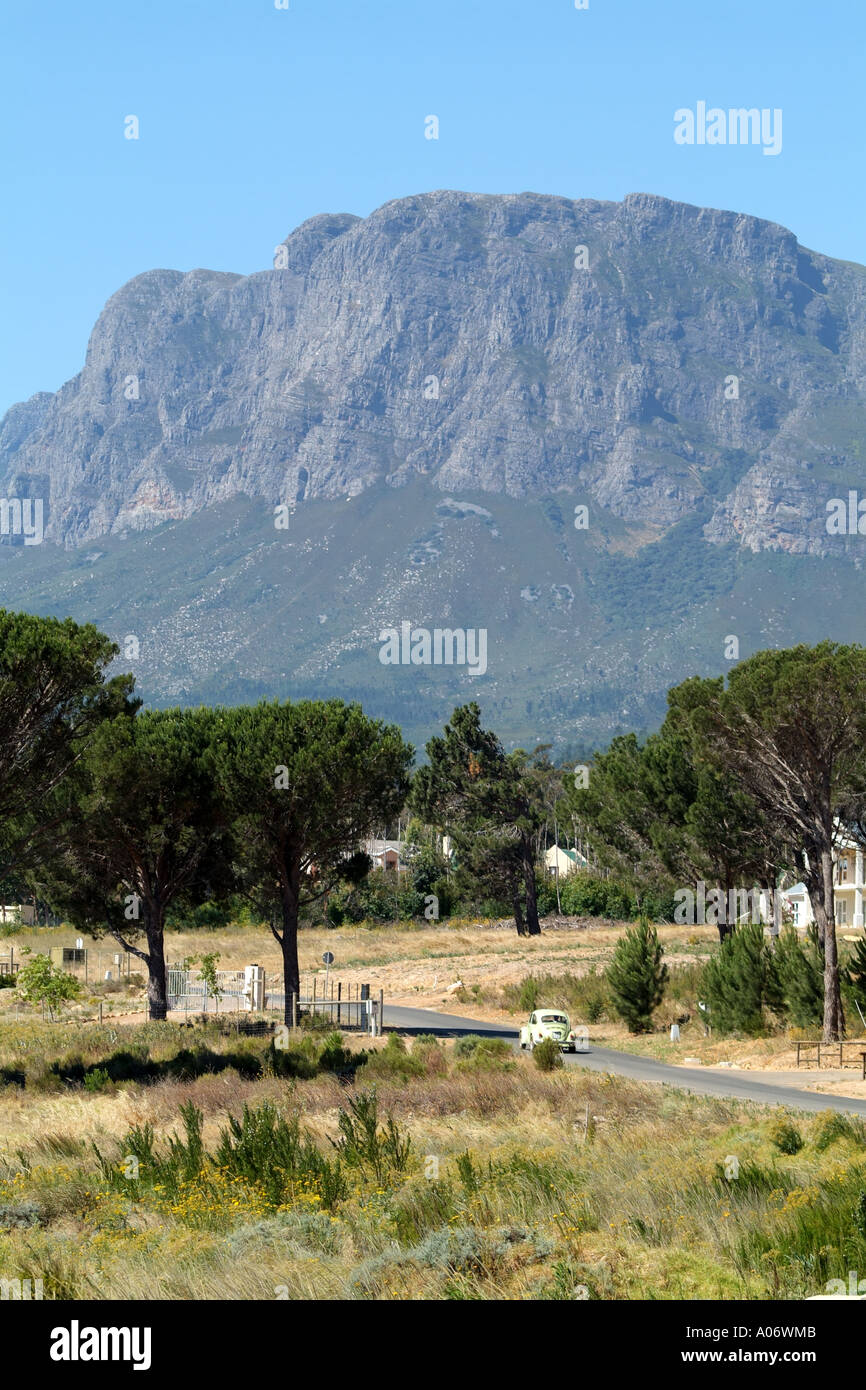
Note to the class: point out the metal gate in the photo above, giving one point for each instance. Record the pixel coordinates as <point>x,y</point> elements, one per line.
<point>192,993</point>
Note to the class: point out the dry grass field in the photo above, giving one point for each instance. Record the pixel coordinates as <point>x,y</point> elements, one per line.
<point>483,1178</point>
<point>155,1161</point>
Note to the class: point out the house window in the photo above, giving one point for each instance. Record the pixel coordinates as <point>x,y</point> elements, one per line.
<point>841,913</point>
<point>842,872</point>
<point>795,912</point>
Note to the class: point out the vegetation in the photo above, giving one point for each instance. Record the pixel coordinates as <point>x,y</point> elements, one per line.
<point>149,833</point>
<point>458,1181</point>
<point>637,976</point>
<point>486,801</point>
<point>741,982</point>
<point>41,982</point>
<point>302,785</point>
<point>792,727</point>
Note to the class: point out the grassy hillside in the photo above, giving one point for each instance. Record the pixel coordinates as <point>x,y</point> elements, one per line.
<point>586,629</point>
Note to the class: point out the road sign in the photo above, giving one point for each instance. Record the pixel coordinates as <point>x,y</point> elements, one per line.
<point>328,958</point>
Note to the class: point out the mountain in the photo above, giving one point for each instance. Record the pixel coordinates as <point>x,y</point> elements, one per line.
<point>431,392</point>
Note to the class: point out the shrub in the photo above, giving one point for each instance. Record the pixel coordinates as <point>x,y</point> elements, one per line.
<point>335,1057</point>
<point>465,1046</point>
<point>740,980</point>
<point>394,1060</point>
<point>636,976</point>
<point>483,1053</point>
<point>800,972</point>
<point>529,993</point>
<point>786,1136</point>
<point>312,1230</point>
<point>266,1149</point>
<point>545,894</point>
<point>546,1055</point>
<point>584,895</point>
<point>14,1214</point>
<point>456,1248</point>
<point>97,1079</point>
<point>584,997</point>
<point>262,1153</point>
<point>431,1055</point>
<point>377,1149</point>
<point>832,1125</point>
<point>299,1060</point>
<point>41,982</point>
<point>856,974</point>
<point>382,896</point>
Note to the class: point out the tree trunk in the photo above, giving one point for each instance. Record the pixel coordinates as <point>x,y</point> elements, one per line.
<point>834,1018</point>
<point>157,980</point>
<point>532,922</point>
<point>725,927</point>
<point>822,898</point>
<point>289,947</point>
<point>517,907</point>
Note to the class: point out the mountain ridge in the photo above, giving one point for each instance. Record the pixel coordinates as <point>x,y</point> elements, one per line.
<point>404,419</point>
<point>308,380</point>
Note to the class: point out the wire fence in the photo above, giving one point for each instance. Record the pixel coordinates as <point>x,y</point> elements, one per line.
<point>250,992</point>
<point>349,1004</point>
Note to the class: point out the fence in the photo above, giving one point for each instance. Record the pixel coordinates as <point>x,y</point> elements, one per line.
<point>349,1005</point>
<point>91,965</point>
<point>832,1054</point>
<point>193,994</point>
<point>8,964</point>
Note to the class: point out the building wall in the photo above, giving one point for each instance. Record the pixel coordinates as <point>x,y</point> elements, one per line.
<point>849,888</point>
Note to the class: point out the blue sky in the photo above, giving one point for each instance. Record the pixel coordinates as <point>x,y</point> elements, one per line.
<point>253,119</point>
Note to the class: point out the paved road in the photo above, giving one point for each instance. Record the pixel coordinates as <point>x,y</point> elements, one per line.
<point>704,1081</point>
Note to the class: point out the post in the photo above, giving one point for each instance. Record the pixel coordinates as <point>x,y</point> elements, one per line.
<point>381,1010</point>
<point>100,1011</point>
<point>313,996</point>
<point>294,1010</point>
<point>85,964</point>
<point>339,997</point>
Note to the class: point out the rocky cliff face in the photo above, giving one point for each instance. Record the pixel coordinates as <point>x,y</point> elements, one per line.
<point>647,358</point>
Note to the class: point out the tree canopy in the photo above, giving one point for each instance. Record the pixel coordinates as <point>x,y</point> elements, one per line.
<point>303,786</point>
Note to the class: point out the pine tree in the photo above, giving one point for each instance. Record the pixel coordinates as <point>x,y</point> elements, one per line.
<point>857,974</point>
<point>637,976</point>
<point>740,981</point>
<point>801,977</point>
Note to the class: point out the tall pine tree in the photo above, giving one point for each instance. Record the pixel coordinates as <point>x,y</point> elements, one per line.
<point>637,976</point>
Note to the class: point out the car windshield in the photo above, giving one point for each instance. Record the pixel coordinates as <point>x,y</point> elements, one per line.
<point>553,1018</point>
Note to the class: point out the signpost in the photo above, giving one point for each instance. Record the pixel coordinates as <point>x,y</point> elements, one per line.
<point>328,959</point>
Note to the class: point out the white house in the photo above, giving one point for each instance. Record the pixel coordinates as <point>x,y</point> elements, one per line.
<point>563,861</point>
<point>849,886</point>
<point>386,854</point>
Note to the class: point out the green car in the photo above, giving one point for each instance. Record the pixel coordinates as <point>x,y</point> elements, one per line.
<point>549,1023</point>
